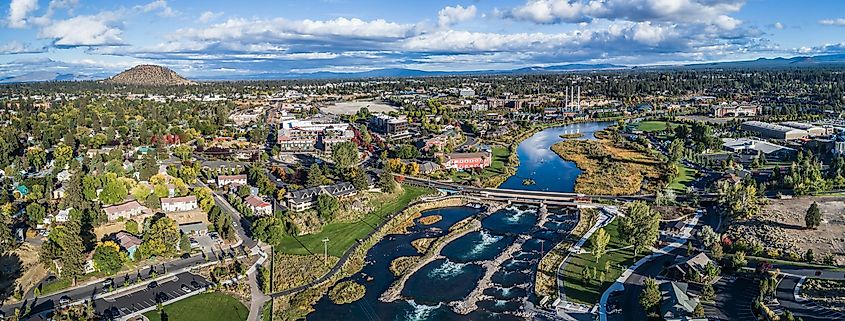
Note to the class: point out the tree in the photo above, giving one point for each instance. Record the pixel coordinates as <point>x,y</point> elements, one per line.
<point>66,246</point>
<point>738,261</point>
<point>205,198</point>
<point>62,155</point>
<point>153,201</point>
<point>360,181</point>
<point>650,297</point>
<point>813,218</point>
<point>345,155</point>
<point>36,213</point>
<point>387,183</point>
<point>698,312</point>
<point>243,191</point>
<point>140,192</point>
<point>114,191</point>
<point>131,226</point>
<point>315,176</point>
<point>740,200</point>
<point>707,292</point>
<point>640,227</point>
<point>183,151</point>
<point>676,150</point>
<point>708,236</point>
<point>327,205</point>
<point>108,258</point>
<point>36,157</point>
<point>161,238</point>
<point>599,243</point>
<point>7,240</point>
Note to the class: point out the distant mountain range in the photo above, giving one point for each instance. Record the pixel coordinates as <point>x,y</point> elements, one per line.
<point>168,77</point>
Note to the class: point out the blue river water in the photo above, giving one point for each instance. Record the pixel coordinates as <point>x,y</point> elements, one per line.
<point>538,162</point>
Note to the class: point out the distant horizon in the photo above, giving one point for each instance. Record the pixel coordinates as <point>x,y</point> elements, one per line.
<point>220,39</point>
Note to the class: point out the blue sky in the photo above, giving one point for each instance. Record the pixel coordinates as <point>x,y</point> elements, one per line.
<point>215,38</point>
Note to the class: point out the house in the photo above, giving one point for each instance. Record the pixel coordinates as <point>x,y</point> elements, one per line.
<point>303,199</point>
<point>258,205</point>
<point>59,193</point>
<point>128,242</point>
<point>676,304</point>
<point>179,204</point>
<point>736,110</point>
<point>224,180</point>
<point>684,266</point>
<point>195,228</point>
<point>126,210</point>
<point>462,161</point>
<point>62,216</point>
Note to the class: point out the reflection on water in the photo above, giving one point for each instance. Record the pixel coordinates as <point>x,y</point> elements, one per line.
<point>538,162</point>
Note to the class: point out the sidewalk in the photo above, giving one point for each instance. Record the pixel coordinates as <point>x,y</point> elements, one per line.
<point>606,216</point>
<point>619,285</point>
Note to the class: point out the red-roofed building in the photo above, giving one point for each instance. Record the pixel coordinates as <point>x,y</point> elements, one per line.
<point>258,205</point>
<point>467,160</point>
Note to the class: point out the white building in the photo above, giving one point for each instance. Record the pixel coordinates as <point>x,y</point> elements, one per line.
<point>179,204</point>
<point>258,205</point>
<point>224,180</point>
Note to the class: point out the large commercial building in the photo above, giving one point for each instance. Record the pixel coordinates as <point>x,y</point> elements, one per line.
<point>774,131</point>
<point>813,130</point>
<point>388,125</point>
<point>736,110</point>
<point>303,199</point>
<point>751,146</point>
<point>306,136</point>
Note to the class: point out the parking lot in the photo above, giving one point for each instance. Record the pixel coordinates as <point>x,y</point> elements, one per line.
<point>180,285</point>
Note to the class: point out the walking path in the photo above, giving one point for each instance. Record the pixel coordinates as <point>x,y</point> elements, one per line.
<point>606,216</point>
<point>685,234</point>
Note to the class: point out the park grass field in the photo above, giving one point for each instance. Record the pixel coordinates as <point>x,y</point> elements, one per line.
<point>648,126</point>
<point>210,306</point>
<point>342,235</point>
<point>620,257</point>
<point>685,176</point>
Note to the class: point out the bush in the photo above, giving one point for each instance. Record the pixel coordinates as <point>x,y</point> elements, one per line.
<point>347,292</point>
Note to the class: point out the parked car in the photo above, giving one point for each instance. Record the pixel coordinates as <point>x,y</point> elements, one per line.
<point>152,285</point>
<point>108,282</point>
<point>64,300</point>
<point>186,288</point>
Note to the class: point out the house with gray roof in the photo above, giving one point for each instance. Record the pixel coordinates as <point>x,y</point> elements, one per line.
<point>303,199</point>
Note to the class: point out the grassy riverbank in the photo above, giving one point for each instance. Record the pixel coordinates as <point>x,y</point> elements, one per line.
<point>611,166</point>
<point>588,290</point>
<point>342,235</point>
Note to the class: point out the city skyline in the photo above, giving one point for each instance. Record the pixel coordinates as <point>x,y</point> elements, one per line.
<point>217,39</point>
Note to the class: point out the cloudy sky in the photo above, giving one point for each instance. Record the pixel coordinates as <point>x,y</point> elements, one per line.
<point>216,38</point>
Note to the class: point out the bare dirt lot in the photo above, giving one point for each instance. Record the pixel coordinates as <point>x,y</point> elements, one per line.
<point>20,268</point>
<point>351,107</point>
<point>781,225</point>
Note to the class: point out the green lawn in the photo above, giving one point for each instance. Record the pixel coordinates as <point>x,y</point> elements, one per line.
<point>685,176</point>
<point>576,289</point>
<point>342,235</point>
<point>203,307</point>
<point>653,126</point>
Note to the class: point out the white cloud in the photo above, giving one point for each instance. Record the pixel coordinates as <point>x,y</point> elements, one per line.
<point>778,25</point>
<point>833,22</point>
<point>84,30</point>
<point>207,16</point>
<point>165,9</point>
<point>19,10</point>
<point>451,15</point>
<point>280,29</point>
<point>16,47</point>
<point>711,12</point>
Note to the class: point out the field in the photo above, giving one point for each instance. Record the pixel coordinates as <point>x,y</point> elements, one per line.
<point>648,126</point>
<point>619,257</point>
<point>685,176</point>
<point>352,107</point>
<point>610,168</point>
<point>203,307</point>
<point>342,235</point>
<point>780,225</point>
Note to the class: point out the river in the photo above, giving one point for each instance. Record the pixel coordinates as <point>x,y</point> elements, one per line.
<point>537,161</point>
<point>427,292</point>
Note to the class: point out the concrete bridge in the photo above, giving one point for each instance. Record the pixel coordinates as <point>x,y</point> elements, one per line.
<point>521,196</point>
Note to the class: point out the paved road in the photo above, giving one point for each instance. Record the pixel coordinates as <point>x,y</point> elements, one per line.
<point>221,201</point>
<point>808,310</point>
<point>628,299</point>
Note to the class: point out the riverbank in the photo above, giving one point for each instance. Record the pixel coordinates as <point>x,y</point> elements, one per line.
<point>610,166</point>
<point>297,306</point>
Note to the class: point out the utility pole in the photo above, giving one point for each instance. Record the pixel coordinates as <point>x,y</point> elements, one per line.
<point>326,251</point>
